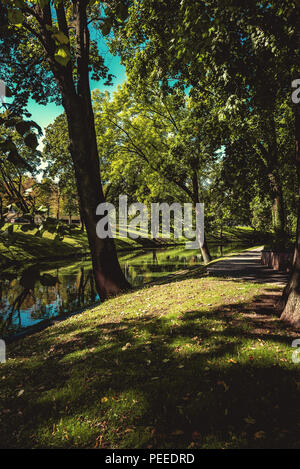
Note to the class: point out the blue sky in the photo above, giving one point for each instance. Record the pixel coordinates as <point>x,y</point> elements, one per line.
<point>44,115</point>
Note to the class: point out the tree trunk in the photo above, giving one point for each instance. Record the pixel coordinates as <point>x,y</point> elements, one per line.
<point>204,248</point>
<point>76,100</point>
<point>291,293</point>
<point>13,192</point>
<point>81,219</point>
<point>276,187</point>
<point>58,204</point>
<point>205,252</point>
<point>278,212</point>
<point>109,278</point>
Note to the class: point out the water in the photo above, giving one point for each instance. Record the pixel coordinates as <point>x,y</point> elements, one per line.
<point>29,295</point>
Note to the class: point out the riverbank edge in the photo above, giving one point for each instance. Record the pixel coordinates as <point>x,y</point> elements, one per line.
<point>44,324</point>
<point>81,255</point>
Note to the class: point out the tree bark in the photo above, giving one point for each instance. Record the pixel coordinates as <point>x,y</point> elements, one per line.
<point>205,252</point>
<point>58,204</point>
<point>109,278</point>
<point>196,199</point>
<point>276,187</point>
<point>269,154</point>
<point>278,212</point>
<point>13,192</point>
<point>291,293</point>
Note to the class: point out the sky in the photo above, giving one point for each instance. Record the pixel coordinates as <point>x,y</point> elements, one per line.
<point>44,115</point>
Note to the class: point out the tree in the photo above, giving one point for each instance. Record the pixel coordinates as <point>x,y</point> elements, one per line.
<point>226,48</point>
<point>57,38</point>
<point>19,157</point>
<point>231,44</point>
<point>291,294</point>
<point>169,136</point>
<point>59,165</point>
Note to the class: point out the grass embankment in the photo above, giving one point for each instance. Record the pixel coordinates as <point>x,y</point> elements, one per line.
<point>26,247</point>
<point>29,247</point>
<point>193,363</point>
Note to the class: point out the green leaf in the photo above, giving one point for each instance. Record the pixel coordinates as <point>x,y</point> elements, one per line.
<point>122,11</point>
<point>62,55</point>
<point>7,145</point>
<point>106,27</point>
<point>14,158</point>
<point>15,16</point>
<point>22,127</point>
<point>31,141</point>
<point>60,38</point>
<point>10,122</point>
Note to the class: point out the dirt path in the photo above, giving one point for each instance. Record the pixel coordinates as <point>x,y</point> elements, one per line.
<point>246,266</point>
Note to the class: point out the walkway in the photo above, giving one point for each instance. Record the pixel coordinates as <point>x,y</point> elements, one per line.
<point>246,266</point>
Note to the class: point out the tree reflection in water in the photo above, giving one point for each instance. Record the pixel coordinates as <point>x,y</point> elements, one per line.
<point>31,297</point>
<point>28,296</point>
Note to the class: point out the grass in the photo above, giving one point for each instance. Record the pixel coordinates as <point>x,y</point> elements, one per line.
<point>26,247</point>
<point>198,362</point>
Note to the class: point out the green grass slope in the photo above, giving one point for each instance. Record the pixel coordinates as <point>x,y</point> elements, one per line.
<point>185,364</point>
<point>27,247</point>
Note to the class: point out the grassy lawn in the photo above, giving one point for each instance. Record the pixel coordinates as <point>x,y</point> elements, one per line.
<point>29,247</point>
<point>193,363</point>
<point>26,247</point>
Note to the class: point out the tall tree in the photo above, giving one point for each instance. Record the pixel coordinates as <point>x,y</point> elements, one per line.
<point>226,48</point>
<point>242,47</point>
<point>56,35</point>
<point>171,136</point>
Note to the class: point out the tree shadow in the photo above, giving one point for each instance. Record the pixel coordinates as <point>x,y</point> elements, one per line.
<point>151,381</point>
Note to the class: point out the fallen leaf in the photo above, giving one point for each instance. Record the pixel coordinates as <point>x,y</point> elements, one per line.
<point>177,433</point>
<point>249,420</point>
<point>126,346</point>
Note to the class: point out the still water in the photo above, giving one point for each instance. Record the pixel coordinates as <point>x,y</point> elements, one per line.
<point>34,293</point>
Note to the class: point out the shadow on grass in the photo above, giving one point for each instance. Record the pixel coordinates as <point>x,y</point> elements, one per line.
<point>27,246</point>
<point>212,379</point>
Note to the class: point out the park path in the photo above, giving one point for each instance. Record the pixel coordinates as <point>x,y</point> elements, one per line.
<point>247,266</point>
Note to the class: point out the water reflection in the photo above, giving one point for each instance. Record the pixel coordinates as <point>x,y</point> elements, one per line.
<point>28,296</point>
